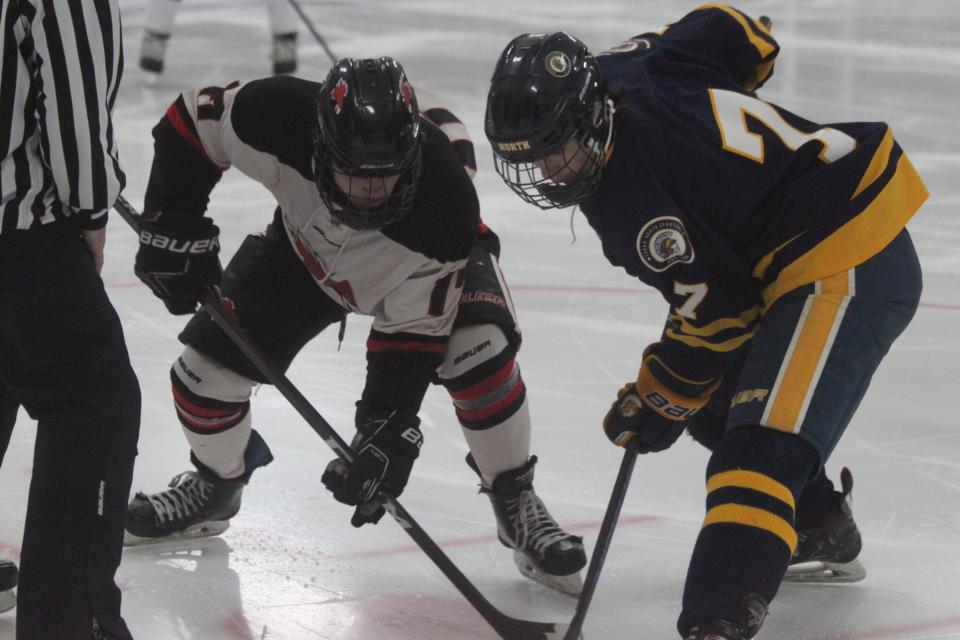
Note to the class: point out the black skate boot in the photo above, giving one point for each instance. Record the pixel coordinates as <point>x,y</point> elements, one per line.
<point>197,504</point>
<point>8,584</point>
<point>284,53</point>
<point>753,611</point>
<point>153,48</point>
<point>542,550</point>
<point>828,550</point>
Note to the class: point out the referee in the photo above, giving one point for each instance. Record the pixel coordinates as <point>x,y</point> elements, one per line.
<point>62,352</point>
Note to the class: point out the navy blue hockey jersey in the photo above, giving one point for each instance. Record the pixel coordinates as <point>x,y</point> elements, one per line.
<point>724,202</point>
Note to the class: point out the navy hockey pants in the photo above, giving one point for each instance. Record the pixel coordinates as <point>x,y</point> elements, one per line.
<point>818,347</point>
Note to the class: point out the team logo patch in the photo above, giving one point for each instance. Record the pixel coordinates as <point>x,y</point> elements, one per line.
<point>663,242</point>
<point>339,95</point>
<point>628,46</point>
<point>558,64</point>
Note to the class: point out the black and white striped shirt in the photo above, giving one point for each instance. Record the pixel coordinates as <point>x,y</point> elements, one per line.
<point>61,66</point>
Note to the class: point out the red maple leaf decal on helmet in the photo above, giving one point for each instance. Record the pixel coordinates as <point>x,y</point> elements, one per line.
<point>406,94</point>
<point>339,94</point>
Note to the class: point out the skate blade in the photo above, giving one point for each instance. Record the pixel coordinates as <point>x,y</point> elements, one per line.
<point>8,600</point>
<point>827,572</point>
<point>569,585</point>
<point>202,530</point>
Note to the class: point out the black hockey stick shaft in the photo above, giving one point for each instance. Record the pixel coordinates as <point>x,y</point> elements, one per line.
<point>310,27</point>
<point>603,540</point>
<point>507,627</point>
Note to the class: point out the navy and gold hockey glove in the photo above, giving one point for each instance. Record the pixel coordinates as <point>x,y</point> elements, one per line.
<point>629,417</point>
<point>385,446</point>
<point>649,411</point>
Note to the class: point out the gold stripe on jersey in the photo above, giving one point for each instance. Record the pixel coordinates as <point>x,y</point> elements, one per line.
<point>760,270</point>
<point>763,47</point>
<point>700,343</point>
<point>878,164</point>
<point>859,239</point>
<point>807,353</point>
<point>742,321</point>
<point>753,517</point>
<point>751,480</point>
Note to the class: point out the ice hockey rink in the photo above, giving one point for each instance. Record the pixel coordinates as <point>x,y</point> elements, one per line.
<point>291,567</point>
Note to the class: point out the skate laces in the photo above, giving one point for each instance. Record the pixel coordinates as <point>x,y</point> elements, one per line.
<point>534,527</point>
<point>187,493</point>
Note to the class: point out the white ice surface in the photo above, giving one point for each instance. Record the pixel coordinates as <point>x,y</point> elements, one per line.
<point>291,567</point>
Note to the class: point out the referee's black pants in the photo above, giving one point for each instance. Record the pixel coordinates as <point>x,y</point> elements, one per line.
<point>63,358</point>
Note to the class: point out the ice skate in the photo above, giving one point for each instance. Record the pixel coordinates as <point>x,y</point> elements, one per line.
<point>753,611</point>
<point>8,584</point>
<point>828,551</point>
<point>284,53</point>
<point>542,551</point>
<point>153,48</point>
<point>198,503</point>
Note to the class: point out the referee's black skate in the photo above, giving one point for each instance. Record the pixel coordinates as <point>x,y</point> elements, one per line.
<point>542,550</point>
<point>8,583</point>
<point>197,504</point>
<point>828,550</point>
<point>753,611</point>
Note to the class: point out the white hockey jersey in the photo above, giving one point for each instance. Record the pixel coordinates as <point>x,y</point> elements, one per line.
<point>402,275</point>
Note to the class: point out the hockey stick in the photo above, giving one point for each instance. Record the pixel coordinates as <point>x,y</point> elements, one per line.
<point>507,627</point>
<point>603,540</point>
<point>312,29</point>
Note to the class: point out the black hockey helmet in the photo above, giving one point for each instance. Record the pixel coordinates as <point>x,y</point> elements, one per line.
<point>368,132</point>
<point>546,92</point>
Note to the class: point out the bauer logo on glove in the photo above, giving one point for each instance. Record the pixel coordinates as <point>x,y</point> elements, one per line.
<point>663,405</point>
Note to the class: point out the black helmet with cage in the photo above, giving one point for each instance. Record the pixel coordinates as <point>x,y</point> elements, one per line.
<point>367,151</point>
<point>547,99</point>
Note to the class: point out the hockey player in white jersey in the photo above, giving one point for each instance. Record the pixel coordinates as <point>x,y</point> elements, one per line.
<point>161,15</point>
<point>376,216</point>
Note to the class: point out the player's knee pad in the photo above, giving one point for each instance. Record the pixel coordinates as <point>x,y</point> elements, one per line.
<point>209,397</point>
<point>482,376</point>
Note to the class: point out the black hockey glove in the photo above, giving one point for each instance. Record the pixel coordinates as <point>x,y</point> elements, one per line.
<point>178,258</point>
<point>384,449</point>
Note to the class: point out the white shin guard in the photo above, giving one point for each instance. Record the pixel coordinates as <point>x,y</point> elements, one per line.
<point>503,446</point>
<point>220,449</point>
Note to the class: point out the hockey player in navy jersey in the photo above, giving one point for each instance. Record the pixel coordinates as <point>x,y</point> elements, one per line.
<point>378,216</point>
<point>780,246</point>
